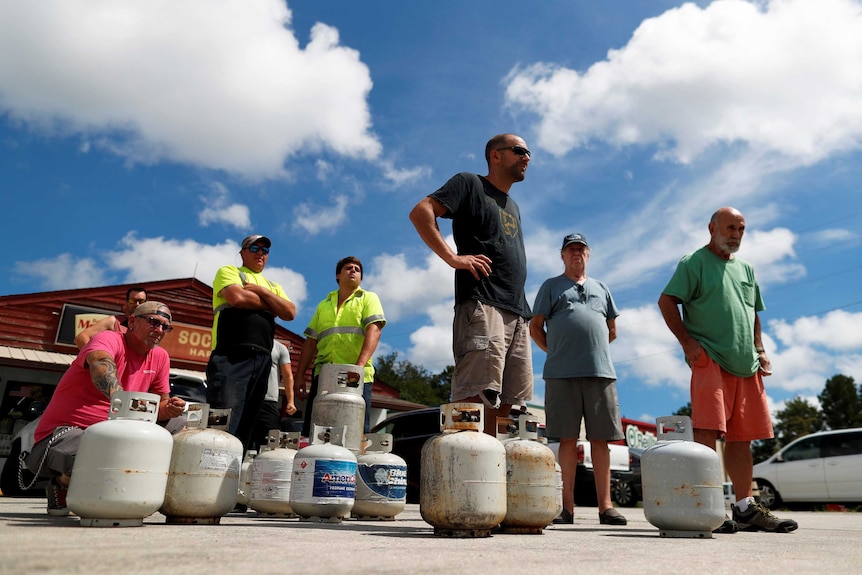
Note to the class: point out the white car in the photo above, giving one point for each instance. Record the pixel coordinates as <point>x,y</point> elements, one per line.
<point>824,467</point>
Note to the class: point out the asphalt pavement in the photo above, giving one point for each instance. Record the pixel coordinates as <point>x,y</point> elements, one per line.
<point>33,542</point>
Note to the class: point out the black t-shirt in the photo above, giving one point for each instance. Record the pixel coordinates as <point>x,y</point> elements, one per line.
<point>487,221</point>
<point>245,329</point>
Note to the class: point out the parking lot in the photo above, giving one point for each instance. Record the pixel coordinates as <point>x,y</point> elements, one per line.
<point>32,542</point>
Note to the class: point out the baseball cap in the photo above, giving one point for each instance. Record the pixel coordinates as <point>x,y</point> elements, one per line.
<point>251,240</point>
<point>574,239</point>
<point>153,308</point>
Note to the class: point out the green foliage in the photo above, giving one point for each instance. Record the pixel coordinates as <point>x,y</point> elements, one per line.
<point>414,382</point>
<point>684,410</point>
<point>840,403</point>
<point>798,418</point>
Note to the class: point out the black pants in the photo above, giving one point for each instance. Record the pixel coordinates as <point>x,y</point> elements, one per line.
<point>239,381</point>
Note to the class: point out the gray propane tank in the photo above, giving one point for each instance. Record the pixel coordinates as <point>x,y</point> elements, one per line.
<point>324,478</point>
<point>244,489</point>
<point>531,481</point>
<point>462,487</point>
<point>121,468</point>
<point>381,480</point>
<point>204,474</point>
<point>682,485</point>
<point>339,402</point>
<point>272,473</point>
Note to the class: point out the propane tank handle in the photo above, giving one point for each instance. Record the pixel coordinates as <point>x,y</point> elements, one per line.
<point>197,415</point>
<point>681,425</point>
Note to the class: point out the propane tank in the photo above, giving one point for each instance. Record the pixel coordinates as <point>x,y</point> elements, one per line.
<point>462,487</point>
<point>121,468</point>
<point>339,402</point>
<point>204,474</point>
<point>244,489</point>
<point>531,483</point>
<point>682,487</point>
<point>324,478</point>
<point>271,475</point>
<point>381,480</point>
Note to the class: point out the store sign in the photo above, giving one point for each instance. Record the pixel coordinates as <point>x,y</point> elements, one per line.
<point>188,343</point>
<point>185,343</point>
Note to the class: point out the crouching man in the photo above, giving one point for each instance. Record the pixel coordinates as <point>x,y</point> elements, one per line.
<point>110,362</point>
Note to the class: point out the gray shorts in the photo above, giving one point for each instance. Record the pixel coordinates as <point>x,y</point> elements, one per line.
<point>492,351</point>
<point>594,399</point>
<point>64,442</point>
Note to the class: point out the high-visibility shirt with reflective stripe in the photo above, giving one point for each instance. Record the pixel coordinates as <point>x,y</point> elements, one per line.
<point>340,333</point>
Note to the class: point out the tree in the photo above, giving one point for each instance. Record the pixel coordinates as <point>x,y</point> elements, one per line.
<point>840,403</point>
<point>798,418</point>
<point>414,382</point>
<point>684,410</point>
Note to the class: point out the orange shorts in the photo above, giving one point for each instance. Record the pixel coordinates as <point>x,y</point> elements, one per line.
<point>735,406</point>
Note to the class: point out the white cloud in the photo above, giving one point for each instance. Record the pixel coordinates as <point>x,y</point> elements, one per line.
<point>398,177</point>
<point>837,330</point>
<point>772,75</point>
<point>217,85</point>
<point>432,344</point>
<point>218,209</point>
<point>149,259</point>
<point>409,291</point>
<point>311,219</point>
<point>647,349</point>
<point>63,272</point>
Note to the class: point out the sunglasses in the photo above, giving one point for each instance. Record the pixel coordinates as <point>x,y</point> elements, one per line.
<point>261,249</point>
<point>137,301</point>
<point>156,324</point>
<point>518,150</point>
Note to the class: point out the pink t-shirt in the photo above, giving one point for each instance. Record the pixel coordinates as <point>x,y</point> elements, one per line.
<point>76,401</point>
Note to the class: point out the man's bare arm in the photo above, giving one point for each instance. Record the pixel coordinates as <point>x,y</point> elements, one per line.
<point>109,323</point>
<point>103,372</point>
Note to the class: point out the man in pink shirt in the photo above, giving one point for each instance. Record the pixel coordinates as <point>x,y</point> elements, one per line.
<point>111,361</point>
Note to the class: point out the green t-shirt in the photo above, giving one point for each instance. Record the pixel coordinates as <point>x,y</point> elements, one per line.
<point>719,301</point>
<point>340,333</point>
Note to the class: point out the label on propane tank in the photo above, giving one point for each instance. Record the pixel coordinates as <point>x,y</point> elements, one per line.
<point>325,479</point>
<point>220,460</point>
<point>387,481</point>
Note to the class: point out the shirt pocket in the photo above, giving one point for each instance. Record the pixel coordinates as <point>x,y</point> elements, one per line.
<point>747,292</point>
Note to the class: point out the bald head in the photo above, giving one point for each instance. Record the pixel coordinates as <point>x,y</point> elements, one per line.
<point>726,228</point>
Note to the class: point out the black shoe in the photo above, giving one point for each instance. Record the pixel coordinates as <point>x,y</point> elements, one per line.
<point>612,517</point>
<point>565,518</point>
<point>759,518</point>
<point>729,526</point>
<point>56,495</point>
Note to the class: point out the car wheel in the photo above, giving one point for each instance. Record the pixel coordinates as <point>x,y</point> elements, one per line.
<point>623,494</point>
<point>769,497</point>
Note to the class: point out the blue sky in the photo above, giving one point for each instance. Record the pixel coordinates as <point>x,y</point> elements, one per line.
<point>143,140</point>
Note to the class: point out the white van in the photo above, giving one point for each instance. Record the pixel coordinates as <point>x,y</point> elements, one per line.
<point>824,467</point>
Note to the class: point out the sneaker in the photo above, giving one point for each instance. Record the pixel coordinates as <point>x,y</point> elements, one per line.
<point>490,398</point>
<point>612,517</point>
<point>759,518</point>
<point>56,499</point>
<point>729,526</point>
<point>565,518</point>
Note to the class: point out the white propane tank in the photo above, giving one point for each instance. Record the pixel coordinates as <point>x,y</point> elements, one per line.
<point>121,468</point>
<point>381,480</point>
<point>271,475</point>
<point>324,478</point>
<point>204,474</point>
<point>244,489</point>
<point>339,402</point>
<point>462,486</point>
<point>682,485</point>
<point>531,481</point>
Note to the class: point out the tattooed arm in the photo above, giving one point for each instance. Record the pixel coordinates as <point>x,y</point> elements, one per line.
<point>103,372</point>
